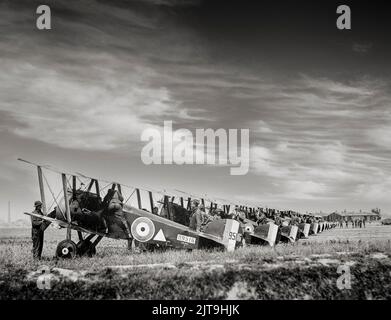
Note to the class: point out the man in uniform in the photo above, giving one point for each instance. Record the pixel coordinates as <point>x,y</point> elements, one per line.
<point>218,214</point>
<point>37,231</point>
<point>261,218</point>
<point>196,216</point>
<point>277,219</point>
<point>241,216</point>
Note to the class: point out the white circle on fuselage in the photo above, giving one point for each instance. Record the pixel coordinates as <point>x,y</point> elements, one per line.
<point>142,229</point>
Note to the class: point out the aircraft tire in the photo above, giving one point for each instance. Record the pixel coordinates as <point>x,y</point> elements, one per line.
<point>66,249</point>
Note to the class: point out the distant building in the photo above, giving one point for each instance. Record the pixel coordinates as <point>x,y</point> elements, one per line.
<point>320,214</point>
<point>352,215</point>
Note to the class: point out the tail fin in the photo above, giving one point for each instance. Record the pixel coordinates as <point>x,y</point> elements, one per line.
<point>293,233</point>
<point>230,233</point>
<point>315,228</point>
<point>272,234</point>
<point>306,231</point>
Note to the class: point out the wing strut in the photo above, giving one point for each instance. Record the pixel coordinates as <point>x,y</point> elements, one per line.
<point>138,198</point>
<point>90,185</point>
<point>119,188</point>
<point>151,200</point>
<point>42,190</point>
<point>97,190</point>
<point>73,187</point>
<point>66,200</point>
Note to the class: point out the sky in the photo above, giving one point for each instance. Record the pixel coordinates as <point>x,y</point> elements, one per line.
<point>315,99</point>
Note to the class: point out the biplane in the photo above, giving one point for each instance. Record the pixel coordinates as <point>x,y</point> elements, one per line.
<point>314,228</point>
<point>259,234</point>
<point>289,233</point>
<point>304,230</point>
<point>96,212</point>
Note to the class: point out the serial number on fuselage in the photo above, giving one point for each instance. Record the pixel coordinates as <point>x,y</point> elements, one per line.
<point>187,239</point>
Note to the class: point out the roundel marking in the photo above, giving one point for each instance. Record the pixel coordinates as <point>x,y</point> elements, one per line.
<point>249,228</point>
<point>142,229</point>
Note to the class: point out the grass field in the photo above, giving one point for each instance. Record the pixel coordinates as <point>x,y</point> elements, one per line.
<point>304,270</point>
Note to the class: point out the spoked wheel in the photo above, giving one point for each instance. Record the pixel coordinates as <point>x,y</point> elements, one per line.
<point>85,247</point>
<point>66,249</point>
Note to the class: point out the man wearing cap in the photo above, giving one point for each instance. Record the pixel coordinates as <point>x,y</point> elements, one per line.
<point>37,231</point>
<point>196,216</point>
<point>261,218</point>
<point>205,216</point>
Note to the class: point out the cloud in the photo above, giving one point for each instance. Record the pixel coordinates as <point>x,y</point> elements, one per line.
<point>263,127</point>
<point>325,85</point>
<point>174,3</point>
<point>304,189</point>
<point>263,161</point>
<point>110,69</point>
<point>374,190</point>
<point>362,48</point>
<point>96,115</point>
<point>330,153</point>
<point>90,87</point>
<point>380,136</point>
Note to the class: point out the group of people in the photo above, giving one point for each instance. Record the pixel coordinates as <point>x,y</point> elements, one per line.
<point>355,222</point>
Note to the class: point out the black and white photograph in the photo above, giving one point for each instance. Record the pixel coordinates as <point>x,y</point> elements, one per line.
<point>195,150</point>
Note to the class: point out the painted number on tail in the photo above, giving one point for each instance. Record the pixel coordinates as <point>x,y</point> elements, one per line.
<point>232,236</point>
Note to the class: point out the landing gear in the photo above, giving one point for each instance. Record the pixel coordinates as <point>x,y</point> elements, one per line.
<point>85,248</point>
<point>66,249</point>
<point>240,241</point>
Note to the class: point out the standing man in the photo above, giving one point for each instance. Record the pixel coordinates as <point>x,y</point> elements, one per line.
<point>206,217</point>
<point>37,231</point>
<point>196,216</point>
<point>261,218</point>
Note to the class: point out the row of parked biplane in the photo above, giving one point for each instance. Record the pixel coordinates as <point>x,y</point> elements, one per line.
<point>96,211</point>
